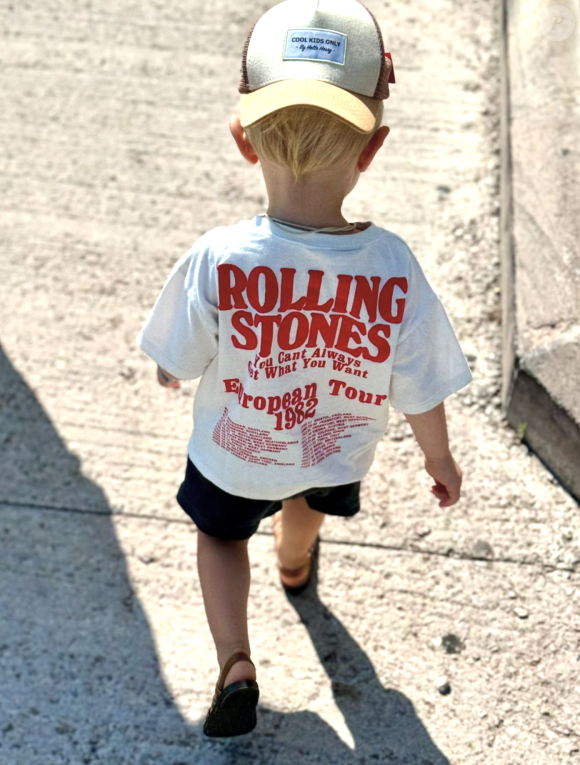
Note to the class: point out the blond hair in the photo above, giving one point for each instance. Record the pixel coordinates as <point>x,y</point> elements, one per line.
<point>305,138</point>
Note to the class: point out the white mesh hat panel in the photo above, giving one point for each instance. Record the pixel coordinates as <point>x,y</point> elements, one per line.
<point>349,56</point>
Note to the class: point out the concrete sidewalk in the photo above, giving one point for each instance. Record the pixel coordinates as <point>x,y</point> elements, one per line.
<point>117,157</point>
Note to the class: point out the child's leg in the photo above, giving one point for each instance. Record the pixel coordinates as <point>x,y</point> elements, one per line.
<point>300,525</point>
<point>224,573</point>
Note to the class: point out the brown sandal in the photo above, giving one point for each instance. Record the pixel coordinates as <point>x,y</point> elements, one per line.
<point>233,709</point>
<point>295,580</point>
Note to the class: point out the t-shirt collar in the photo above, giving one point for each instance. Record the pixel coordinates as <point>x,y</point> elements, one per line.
<point>318,240</point>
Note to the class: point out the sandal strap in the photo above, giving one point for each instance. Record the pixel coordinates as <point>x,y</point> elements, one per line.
<point>234,659</point>
<point>304,567</point>
<point>295,572</point>
<point>292,577</point>
<point>292,572</point>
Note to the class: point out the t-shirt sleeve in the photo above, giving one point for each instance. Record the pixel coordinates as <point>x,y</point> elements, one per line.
<point>429,364</point>
<point>181,331</point>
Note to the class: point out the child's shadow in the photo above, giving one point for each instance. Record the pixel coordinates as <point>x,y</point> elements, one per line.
<point>382,721</point>
<point>81,680</point>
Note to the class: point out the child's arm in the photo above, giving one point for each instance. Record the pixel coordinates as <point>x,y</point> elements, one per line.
<point>180,333</point>
<point>430,429</point>
<point>167,380</point>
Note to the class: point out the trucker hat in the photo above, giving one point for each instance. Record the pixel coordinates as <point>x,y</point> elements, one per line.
<point>324,53</point>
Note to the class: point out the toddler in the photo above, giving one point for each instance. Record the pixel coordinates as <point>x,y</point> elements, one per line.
<point>303,327</point>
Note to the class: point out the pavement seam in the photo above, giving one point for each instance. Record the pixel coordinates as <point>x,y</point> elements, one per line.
<point>546,567</point>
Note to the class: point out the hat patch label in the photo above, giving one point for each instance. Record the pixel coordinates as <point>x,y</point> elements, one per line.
<point>315,45</point>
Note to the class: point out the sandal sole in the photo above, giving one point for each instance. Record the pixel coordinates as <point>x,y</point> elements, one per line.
<point>235,711</point>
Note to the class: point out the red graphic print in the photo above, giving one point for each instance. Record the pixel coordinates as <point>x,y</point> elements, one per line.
<point>267,311</point>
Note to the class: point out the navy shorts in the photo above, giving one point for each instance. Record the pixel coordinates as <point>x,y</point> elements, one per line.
<point>223,515</point>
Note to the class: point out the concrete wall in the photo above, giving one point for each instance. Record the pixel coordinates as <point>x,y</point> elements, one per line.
<point>540,228</point>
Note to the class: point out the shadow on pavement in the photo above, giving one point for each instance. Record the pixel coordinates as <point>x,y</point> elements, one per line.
<point>382,721</point>
<point>81,680</point>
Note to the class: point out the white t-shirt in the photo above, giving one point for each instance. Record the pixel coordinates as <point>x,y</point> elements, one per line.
<point>301,341</point>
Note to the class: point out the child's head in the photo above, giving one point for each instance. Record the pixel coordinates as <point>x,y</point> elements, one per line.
<point>314,77</point>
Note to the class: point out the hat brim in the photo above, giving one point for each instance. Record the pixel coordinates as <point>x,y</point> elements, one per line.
<point>359,111</point>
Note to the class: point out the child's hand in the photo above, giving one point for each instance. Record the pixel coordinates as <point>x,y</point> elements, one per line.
<point>166,380</point>
<point>448,477</point>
